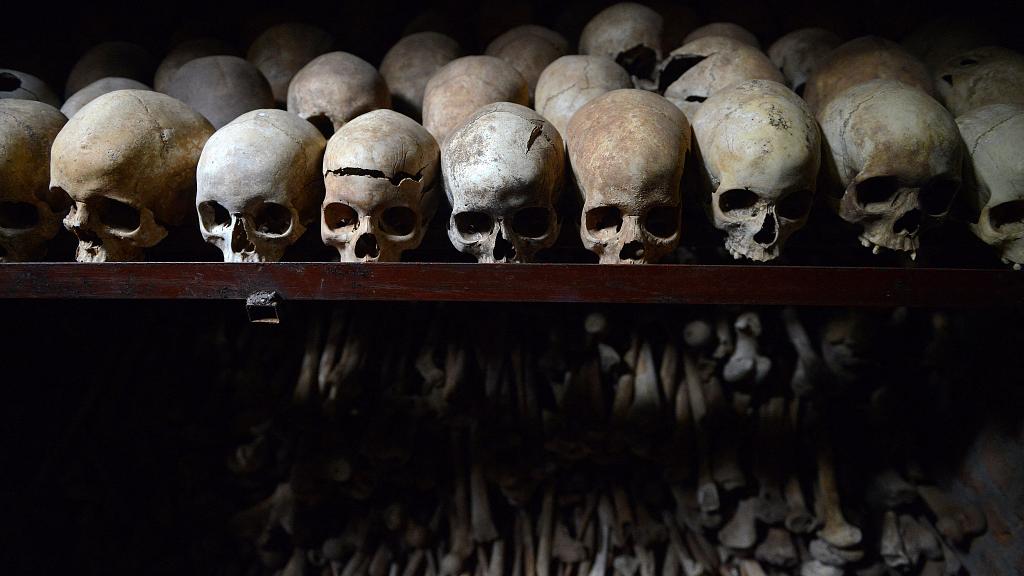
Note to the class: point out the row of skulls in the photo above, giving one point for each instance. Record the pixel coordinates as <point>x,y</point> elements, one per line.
<point>860,118</point>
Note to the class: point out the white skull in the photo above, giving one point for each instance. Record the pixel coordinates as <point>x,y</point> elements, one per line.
<point>860,60</point>
<point>128,160</point>
<point>259,185</point>
<point>727,29</point>
<point>381,171</point>
<point>798,52</point>
<point>282,50</point>
<point>464,85</point>
<point>335,88</point>
<point>503,171</point>
<point>24,86</point>
<point>572,81</point>
<point>529,49</point>
<point>695,71</point>
<point>409,64</point>
<point>627,149</point>
<point>895,154</point>
<point>979,77</point>
<point>29,215</point>
<point>761,151</point>
<point>221,88</point>
<point>98,88</point>
<point>995,137</point>
<point>628,33</point>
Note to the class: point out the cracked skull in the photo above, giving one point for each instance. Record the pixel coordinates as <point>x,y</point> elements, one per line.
<point>995,135</point>
<point>503,170</point>
<point>979,77</point>
<point>760,148</point>
<point>895,154</point>
<point>381,171</point>
<point>29,215</point>
<point>627,149</point>
<point>572,81</point>
<point>259,185</point>
<point>128,160</point>
<point>629,34</point>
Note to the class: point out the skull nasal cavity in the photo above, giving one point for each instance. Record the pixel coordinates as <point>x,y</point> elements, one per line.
<point>9,82</point>
<point>908,223</point>
<point>632,251</point>
<point>768,233</point>
<point>367,247</point>
<point>503,249</point>
<point>240,240</point>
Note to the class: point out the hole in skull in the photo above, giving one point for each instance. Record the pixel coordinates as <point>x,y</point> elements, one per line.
<point>876,189</point>
<point>117,215</point>
<point>695,98</point>
<point>795,205</point>
<point>18,215</point>
<point>213,215</point>
<point>338,215</point>
<point>604,222</point>
<point>948,79</point>
<point>56,198</point>
<point>968,62</point>
<point>531,222</point>
<point>632,251</point>
<point>736,199</point>
<point>367,247</point>
<point>473,226</point>
<point>908,224</point>
<point>1011,212</point>
<point>638,61</point>
<point>662,221</point>
<point>769,231</point>
<point>398,221</point>
<point>323,124</point>
<point>937,195</point>
<point>9,82</point>
<point>799,89</point>
<point>272,218</point>
<point>676,68</point>
<point>503,249</point>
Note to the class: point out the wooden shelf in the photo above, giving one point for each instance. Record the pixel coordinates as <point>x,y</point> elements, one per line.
<point>680,284</point>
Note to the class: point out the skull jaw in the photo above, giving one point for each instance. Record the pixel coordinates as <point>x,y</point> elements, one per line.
<point>110,251</point>
<point>1010,247</point>
<point>742,246</point>
<point>880,235</point>
<point>273,254</point>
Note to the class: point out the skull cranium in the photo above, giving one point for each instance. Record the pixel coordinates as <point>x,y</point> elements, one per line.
<point>335,88</point>
<point>572,81</point>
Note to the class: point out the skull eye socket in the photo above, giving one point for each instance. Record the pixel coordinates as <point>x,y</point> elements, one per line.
<point>662,221</point>
<point>117,215</point>
<point>272,219</point>
<point>213,215</point>
<point>876,189</point>
<point>737,199</point>
<point>937,195</point>
<point>795,205</point>
<point>473,226</point>
<point>338,215</point>
<point>604,222</point>
<point>18,215</point>
<point>1007,213</point>
<point>398,221</point>
<point>531,222</point>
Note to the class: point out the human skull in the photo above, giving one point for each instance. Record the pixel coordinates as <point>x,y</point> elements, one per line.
<point>896,155</point>
<point>572,81</point>
<point>24,86</point>
<point>529,49</point>
<point>221,88</point>
<point>860,60</point>
<point>627,149</point>
<point>410,63</point>
<point>128,161</point>
<point>184,53</point>
<point>937,41</point>
<point>335,88</point>
<point>503,171</point>
<point>727,29</point>
<point>994,136</point>
<point>29,215</point>
<point>110,59</point>
<point>381,171</point>
<point>282,50</point>
<point>798,52</point>
<point>761,151</point>
<point>695,71</point>
<point>259,185</point>
<point>95,90</point>
<point>464,85</point>
<point>629,34</point>
<point>979,77</point>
